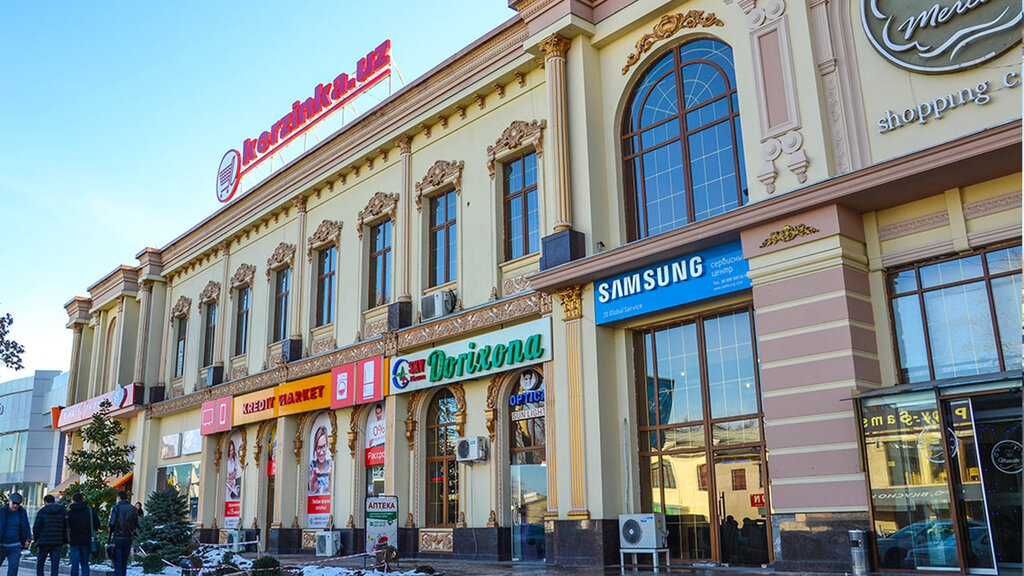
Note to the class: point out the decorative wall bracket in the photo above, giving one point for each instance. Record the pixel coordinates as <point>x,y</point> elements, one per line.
<point>791,143</point>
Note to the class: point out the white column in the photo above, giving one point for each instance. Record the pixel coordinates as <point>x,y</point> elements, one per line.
<point>554,49</point>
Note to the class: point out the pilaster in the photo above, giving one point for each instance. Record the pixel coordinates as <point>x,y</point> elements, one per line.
<point>145,297</point>
<point>572,312</point>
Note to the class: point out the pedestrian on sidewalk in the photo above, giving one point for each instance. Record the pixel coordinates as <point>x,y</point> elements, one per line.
<point>124,521</point>
<point>82,525</point>
<point>14,533</point>
<point>50,531</point>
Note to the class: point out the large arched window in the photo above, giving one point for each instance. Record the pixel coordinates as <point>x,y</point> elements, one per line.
<point>681,142</point>
<point>442,468</point>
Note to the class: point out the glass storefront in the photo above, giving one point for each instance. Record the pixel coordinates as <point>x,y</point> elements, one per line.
<point>185,479</point>
<point>528,466</point>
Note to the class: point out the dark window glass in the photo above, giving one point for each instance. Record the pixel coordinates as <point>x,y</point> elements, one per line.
<point>959,316</point>
<point>179,347</point>
<point>282,295</point>
<point>443,235</point>
<point>380,264</point>
<point>682,142</point>
<point>242,320</point>
<point>739,479</point>
<point>209,333</point>
<point>325,285</point>
<point>522,220</point>
<point>442,468</point>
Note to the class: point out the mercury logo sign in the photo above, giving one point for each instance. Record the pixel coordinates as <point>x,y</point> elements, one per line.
<point>936,36</point>
<point>326,98</point>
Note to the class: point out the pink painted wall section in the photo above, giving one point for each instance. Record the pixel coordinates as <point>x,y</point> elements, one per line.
<point>824,281</point>
<point>827,220</point>
<point>818,371</point>
<point>823,495</point>
<point>798,434</point>
<point>808,402</point>
<point>832,462</point>
<point>771,71</point>
<point>813,313</point>
<point>817,342</point>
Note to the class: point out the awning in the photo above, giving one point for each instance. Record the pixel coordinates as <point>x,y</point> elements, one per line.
<point>60,488</point>
<point>1012,379</point>
<point>118,481</point>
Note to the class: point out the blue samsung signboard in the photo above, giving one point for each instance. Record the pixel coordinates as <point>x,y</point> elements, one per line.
<point>705,274</point>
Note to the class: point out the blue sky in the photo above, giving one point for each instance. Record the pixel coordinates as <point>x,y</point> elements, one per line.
<point>115,115</point>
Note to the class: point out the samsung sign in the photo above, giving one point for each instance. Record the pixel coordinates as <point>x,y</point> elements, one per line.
<point>712,272</point>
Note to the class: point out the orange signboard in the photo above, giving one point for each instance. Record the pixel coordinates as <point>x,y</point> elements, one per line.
<point>303,395</point>
<point>254,407</point>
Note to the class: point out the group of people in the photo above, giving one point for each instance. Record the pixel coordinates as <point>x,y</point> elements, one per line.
<point>54,527</point>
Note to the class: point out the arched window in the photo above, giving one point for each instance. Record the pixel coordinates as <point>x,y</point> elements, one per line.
<point>442,468</point>
<point>681,142</point>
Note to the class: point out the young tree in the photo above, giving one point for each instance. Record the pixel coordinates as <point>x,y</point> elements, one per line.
<point>165,529</point>
<point>100,458</point>
<point>10,351</point>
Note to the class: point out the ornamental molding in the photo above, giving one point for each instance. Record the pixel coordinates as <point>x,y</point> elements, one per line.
<point>791,143</point>
<point>209,294</point>
<point>518,134</point>
<point>332,440</point>
<point>243,276</point>
<point>353,430</point>
<point>261,433</point>
<point>666,28</point>
<point>460,407</point>
<point>324,344</point>
<point>181,307</point>
<point>571,298</point>
<point>913,226</point>
<point>415,400</point>
<point>328,232</point>
<point>442,173</point>
<point>380,207</point>
<point>993,205</point>
<point>437,540</point>
<point>515,285</point>
<point>282,257</point>
<point>554,46</point>
<point>788,233</point>
<point>532,304</point>
<point>375,328</point>
<point>761,15</point>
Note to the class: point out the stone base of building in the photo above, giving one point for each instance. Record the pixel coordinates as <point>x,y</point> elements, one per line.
<point>816,542</point>
<point>285,541</point>
<point>583,542</point>
<point>208,535</point>
<point>486,544</point>
<point>353,540</point>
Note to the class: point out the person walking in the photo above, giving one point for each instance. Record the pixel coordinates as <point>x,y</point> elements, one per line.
<point>50,531</point>
<point>14,533</point>
<point>82,525</point>
<point>124,521</point>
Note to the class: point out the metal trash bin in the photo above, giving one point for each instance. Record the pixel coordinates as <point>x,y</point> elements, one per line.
<point>858,553</point>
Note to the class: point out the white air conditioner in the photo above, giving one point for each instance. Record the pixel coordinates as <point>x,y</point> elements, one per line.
<point>471,449</point>
<point>437,304</point>
<point>642,531</point>
<point>233,540</point>
<point>328,543</point>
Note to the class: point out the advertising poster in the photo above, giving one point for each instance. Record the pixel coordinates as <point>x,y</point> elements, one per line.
<point>318,501</point>
<point>343,380</point>
<point>170,445</point>
<point>370,373</point>
<point>381,522</point>
<point>376,431</point>
<point>232,466</point>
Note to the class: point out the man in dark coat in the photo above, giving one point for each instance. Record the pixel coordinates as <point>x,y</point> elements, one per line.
<point>50,531</point>
<point>124,520</point>
<point>82,525</point>
<point>14,533</point>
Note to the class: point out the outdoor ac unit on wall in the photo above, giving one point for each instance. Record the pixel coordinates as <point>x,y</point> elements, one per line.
<point>234,539</point>
<point>642,531</point>
<point>437,304</point>
<point>328,543</point>
<point>471,449</point>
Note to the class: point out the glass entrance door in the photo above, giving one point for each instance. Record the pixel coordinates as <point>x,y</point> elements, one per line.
<point>742,520</point>
<point>528,504</point>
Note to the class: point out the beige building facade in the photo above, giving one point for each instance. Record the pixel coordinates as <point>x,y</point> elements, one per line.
<point>754,265</point>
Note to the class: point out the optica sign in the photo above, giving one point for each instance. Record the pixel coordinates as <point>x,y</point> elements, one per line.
<point>327,97</point>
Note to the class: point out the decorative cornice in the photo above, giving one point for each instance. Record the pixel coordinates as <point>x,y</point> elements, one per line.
<point>442,173</point>
<point>788,233</point>
<point>328,232</point>
<point>554,46</point>
<point>243,276</point>
<point>993,205</point>
<point>518,134</point>
<point>572,302</point>
<point>381,206</point>
<point>666,28</point>
<point>282,257</point>
<point>181,307</point>
<point>913,226</point>
<point>209,294</point>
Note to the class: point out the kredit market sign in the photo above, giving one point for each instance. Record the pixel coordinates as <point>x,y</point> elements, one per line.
<point>327,98</point>
<point>941,36</point>
<point>507,349</point>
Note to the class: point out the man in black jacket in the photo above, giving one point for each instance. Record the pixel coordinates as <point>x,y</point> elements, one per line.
<point>124,520</point>
<point>14,533</point>
<point>82,525</point>
<point>50,532</point>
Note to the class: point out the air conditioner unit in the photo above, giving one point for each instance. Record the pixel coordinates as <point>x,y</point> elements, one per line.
<point>642,531</point>
<point>471,449</point>
<point>328,543</point>
<point>234,539</point>
<point>437,304</point>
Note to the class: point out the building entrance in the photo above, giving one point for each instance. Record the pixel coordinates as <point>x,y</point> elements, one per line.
<point>528,500</point>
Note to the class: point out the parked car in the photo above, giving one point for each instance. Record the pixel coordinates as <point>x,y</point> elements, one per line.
<point>943,553</point>
<point>893,549</point>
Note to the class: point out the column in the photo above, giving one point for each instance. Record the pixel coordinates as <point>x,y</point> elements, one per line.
<point>572,311</point>
<point>76,358</point>
<point>223,303</point>
<point>166,342</point>
<point>298,274</point>
<point>554,49</point>
<point>95,369</point>
<point>402,226</point>
<point>145,294</point>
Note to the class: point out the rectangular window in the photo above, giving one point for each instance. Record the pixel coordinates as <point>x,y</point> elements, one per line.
<point>958,317</point>
<point>209,333</point>
<point>179,347</point>
<point>442,238</point>
<point>380,264</point>
<point>282,289</point>
<point>739,479</point>
<point>242,320</point>
<point>325,285</point>
<point>522,217</point>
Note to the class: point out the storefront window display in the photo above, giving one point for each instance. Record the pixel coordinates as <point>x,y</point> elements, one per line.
<point>442,468</point>
<point>185,479</point>
<point>318,506</point>
<point>528,465</point>
<point>232,467</point>
<point>376,437</point>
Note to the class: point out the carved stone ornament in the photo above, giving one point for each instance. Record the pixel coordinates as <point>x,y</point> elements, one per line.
<point>351,522</point>
<point>788,233</point>
<point>209,294</point>
<point>492,519</point>
<point>353,431</point>
<point>282,257</point>
<point>572,303</point>
<point>380,207</point>
<point>460,407</point>
<point>410,418</point>
<point>761,15</point>
<point>181,307</point>
<point>436,540</point>
<point>515,285</point>
<point>440,174</point>
<point>324,344</point>
<point>261,433</point>
<point>329,231</point>
<point>243,276</point>
<point>666,28</point>
<point>555,46</point>
<point>517,135</point>
<point>790,143</point>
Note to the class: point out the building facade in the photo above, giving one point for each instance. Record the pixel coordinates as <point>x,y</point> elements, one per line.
<point>753,265</point>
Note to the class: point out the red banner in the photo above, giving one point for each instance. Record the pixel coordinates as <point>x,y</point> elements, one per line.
<point>319,504</point>
<point>375,455</point>
<point>232,509</point>
<point>757,500</point>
